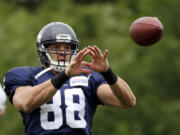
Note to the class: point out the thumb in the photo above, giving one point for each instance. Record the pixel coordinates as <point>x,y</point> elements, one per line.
<point>105,54</point>
<point>86,71</point>
<point>86,64</point>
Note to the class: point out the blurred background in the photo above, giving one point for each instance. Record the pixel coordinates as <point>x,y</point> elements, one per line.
<point>153,73</point>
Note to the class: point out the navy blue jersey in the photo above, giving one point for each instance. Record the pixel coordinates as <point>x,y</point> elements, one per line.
<point>71,109</point>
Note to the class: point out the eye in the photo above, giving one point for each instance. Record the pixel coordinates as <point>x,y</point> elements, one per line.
<point>52,46</point>
<point>56,47</point>
<point>67,47</point>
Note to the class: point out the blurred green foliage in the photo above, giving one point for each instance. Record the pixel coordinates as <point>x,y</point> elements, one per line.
<point>152,72</point>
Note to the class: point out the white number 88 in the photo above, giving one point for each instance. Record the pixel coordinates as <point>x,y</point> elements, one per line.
<point>70,110</point>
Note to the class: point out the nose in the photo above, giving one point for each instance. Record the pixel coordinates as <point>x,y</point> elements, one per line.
<point>62,53</point>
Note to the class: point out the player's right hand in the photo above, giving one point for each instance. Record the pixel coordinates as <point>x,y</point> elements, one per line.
<point>75,67</point>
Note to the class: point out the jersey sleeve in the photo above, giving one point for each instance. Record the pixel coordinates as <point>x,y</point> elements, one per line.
<point>16,78</point>
<point>98,80</point>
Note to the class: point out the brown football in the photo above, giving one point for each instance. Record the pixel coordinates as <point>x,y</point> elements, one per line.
<point>146,31</point>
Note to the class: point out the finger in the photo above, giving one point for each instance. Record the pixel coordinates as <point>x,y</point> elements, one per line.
<point>105,54</point>
<point>78,56</point>
<point>86,71</point>
<point>97,50</point>
<point>84,54</point>
<point>93,50</point>
<point>92,54</point>
<point>86,64</point>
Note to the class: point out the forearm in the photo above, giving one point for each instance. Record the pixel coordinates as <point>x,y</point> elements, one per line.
<point>119,88</point>
<point>42,94</point>
<point>123,93</point>
<point>28,98</point>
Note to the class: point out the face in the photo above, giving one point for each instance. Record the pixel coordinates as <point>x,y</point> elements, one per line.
<point>60,52</point>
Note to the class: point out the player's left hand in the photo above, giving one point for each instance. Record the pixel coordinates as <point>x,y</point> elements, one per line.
<point>99,60</point>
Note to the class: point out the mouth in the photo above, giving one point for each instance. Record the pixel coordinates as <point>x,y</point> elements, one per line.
<point>62,60</point>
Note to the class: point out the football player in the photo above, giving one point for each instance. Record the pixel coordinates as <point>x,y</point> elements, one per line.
<point>61,97</point>
<point>2,101</point>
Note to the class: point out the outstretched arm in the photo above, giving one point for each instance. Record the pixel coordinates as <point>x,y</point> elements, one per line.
<point>117,93</point>
<point>28,98</point>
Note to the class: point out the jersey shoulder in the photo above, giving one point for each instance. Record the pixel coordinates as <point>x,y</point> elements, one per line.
<point>26,70</point>
<point>21,73</point>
